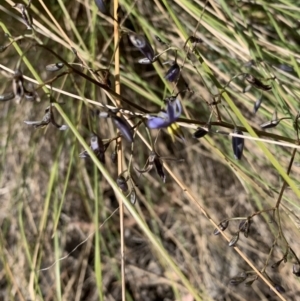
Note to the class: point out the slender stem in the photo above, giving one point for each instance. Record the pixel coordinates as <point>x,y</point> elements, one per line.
<point>119,142</point>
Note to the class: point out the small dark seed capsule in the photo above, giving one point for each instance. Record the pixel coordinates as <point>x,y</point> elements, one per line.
<point>122,184</point>
<point>269,124</point>
<point>257,83</point>
<point>173,73</point>
<point>223,226</point>
<point>7,96</point>
<point>195,40</point>
<point>276,264</point>
<point>238,145</point>
<point>201,132</point>
<point>234,240</point>
<point>279,288</point>
<point>54,67</point>
<point>159,169</point>
<point>3,48</point>
<point>296,269</point>
<point>238,279</point>
<point>244,227</point>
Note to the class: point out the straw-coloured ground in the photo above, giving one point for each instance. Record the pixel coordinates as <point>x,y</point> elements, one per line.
<point>61,228</point>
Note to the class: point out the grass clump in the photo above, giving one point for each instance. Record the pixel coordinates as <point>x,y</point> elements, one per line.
<point>147,130</point>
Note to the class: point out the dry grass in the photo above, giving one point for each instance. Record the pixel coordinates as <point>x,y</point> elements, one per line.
<point>52,200</point>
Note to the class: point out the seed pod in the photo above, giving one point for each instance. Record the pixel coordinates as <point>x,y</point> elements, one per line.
<point>296,269</point>
<point>238,145</point>
<point>121,182</point>
<point>173,73</point>
<point>201,132</point>
<point>244,227</point>
<point>257,104</point>
<point>18,86</point>
<point>124,127</point>
<point>4,47</point>
<point>102,6</point>
<point>159,169</point>
<point>140,42</point>
<point>257,83</point>
<point>238,279</point>
<point>277,264</point>
<point>223,226</point>
<point>25,14</point>
<point>195,40</point>
<point>234,240</point>
<point>132,196</point>
<point>98,148</point>
<point>7,96</point>
<point>54,67</point>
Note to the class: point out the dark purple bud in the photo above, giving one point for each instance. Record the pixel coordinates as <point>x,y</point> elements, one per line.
<point>173,73</point>
<point>159,168</point>
<point>102,6</point>
<point>234,240</point>
<point>223,226</point>
<point>238,145</point>
<point>141,42</point>
<point>201,132</point>
<point>54,67</point>
<point>257,83</point>
<point>296,269</point>
<point>279,288</point>
<point>257,104</point>
<point>7,96</point>
<point>122,183</point>
<point>124,127</point>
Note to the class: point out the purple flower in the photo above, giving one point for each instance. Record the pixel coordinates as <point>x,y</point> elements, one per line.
<point>165,119</point>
